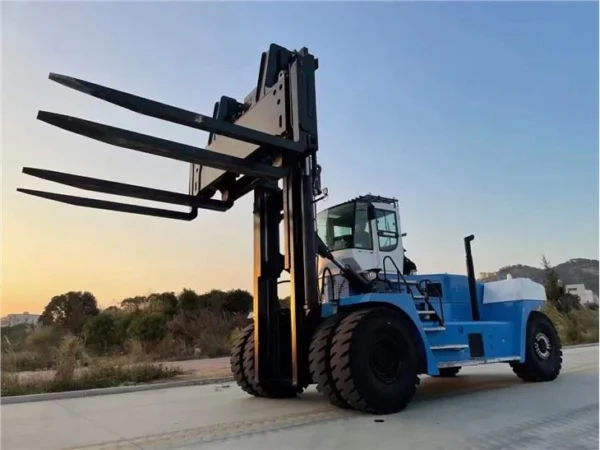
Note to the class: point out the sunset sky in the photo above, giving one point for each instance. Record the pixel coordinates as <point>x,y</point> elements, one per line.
<point>480,118</point>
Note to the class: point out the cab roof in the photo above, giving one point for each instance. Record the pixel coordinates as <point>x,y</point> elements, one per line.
<point>369,199</point>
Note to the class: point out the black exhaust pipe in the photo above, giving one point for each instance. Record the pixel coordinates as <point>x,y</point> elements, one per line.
<point>471,276</point>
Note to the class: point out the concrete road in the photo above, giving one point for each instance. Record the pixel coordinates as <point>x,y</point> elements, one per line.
<point>483,408</point>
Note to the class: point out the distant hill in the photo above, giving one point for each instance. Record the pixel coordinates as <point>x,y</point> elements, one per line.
<point>574,271</point>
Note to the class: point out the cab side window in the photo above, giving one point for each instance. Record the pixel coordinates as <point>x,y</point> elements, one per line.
<point>387,230</point>
<point>362,228</point>
<point>336,227</point>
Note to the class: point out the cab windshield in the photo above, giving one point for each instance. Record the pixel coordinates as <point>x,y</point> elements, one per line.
<point>345,226</point>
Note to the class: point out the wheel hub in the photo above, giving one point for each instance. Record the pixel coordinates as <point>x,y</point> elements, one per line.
<point>385,361</point>
<point>542,346</point>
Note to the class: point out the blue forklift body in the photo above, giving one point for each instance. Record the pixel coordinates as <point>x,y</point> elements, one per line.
<point>499,335</point>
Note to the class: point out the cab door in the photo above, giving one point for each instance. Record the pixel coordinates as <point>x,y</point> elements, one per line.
<point>387,233</point>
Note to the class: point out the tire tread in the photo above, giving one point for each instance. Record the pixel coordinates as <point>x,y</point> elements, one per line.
<point>242,367</point>
<point>529,371</point>
<point>342,372</point>
<point>320,362</point>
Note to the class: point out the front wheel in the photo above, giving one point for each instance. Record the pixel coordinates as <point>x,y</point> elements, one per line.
<point>374,361</point>
<point>543,351</point>
<point>242,367</point>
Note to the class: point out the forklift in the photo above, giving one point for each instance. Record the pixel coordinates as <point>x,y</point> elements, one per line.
<point>362,324</point>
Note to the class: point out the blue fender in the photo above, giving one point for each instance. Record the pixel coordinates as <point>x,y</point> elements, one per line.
<point>403,303</point>
<point>529,308</point>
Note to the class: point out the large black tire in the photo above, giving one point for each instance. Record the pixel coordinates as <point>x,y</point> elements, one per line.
<point>447,372</point>
<point>238,368</point>
<point>543,351</point>
<point>319,357</point>
<point>375,361</point>
<point>242,367</point>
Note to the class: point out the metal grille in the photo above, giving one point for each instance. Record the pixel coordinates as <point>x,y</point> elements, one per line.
<point>333,288</point>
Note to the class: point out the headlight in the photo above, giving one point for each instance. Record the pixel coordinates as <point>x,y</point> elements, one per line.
<point>371,275</point>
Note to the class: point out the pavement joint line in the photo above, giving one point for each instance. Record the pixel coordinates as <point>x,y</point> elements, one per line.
<point>15,399</point>
<point>226,431</point>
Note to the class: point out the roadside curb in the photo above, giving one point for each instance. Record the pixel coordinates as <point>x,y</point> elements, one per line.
<point>109,391</point>
<point>146,387</point>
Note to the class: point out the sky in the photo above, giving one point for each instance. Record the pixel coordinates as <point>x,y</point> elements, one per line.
<point>479,117</point>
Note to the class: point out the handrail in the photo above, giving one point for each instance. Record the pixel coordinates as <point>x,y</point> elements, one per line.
<point>331,280</point>
<point>397,271</point>
<point>424,294</point>
<point>428,282</point>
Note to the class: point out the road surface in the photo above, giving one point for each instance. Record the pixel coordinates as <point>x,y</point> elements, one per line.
<point>485,408</point>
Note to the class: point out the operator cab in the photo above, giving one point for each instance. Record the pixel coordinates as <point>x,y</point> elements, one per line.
<point>361,233</point>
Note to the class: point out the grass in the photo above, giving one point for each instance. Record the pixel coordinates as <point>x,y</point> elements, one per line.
<point>576,327</point>
<point>101,376</point>
<point>96,373</point>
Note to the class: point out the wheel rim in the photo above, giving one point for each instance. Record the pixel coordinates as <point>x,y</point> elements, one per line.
<point>542,346</point>
<point>386,360</point>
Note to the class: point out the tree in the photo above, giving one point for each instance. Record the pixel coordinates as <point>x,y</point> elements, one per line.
<point>149,328</point>
<point>555,291</point>
<point>100,332</point>
<point>133,304</point>
<point>165,303</point>
<point>214,299</point>
<point>237,300</point>
<point>70,311</point>
<point>188,301</point>
<point>568,302</point>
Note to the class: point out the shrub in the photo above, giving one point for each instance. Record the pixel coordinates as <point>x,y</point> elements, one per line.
<point>585,322</point>
<point>578,326</point>
<point>100,333</point>
<point>237,300</point>
<point>149,328</point>
<point>188,301</point>
<point>36,352</point>
<point>44,339</point>
<point>13,338</point>
<point>208,332</point>
<point>68,352</point>
<point>135,351</point>
<point>23,361</point>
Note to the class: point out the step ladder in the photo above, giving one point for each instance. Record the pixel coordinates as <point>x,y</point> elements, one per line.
<point>425,309</point>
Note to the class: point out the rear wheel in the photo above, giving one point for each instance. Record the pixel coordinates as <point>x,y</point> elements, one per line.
<point>374,361</point>
<point>447,372</point>
<point>543,351</point>
<point>242,367</point>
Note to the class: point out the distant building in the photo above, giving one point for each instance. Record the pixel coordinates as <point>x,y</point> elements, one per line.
<point>16,319</point>
<point>585,295</point>
<point>487,275</point>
